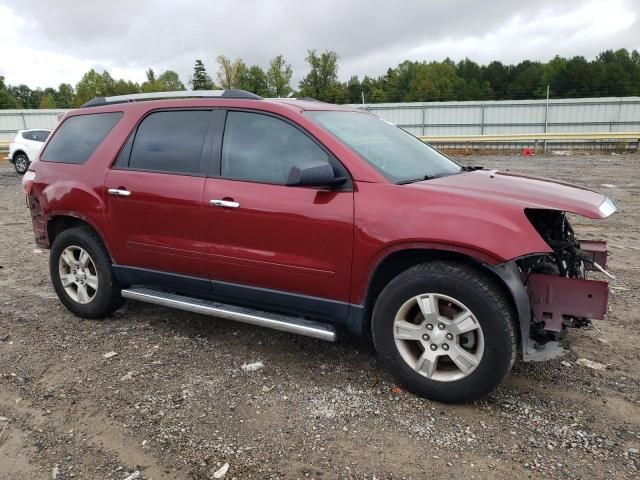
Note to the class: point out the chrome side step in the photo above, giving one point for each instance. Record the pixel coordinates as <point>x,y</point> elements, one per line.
<point>277,321</point>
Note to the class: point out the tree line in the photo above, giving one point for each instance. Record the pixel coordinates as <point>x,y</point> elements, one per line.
<point>611,73</point>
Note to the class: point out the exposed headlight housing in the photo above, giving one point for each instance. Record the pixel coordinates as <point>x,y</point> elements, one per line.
<point>607,207</point>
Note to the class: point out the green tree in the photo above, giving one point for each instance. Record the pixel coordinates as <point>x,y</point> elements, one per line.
<point>171,81</point>
<point>165,82</point>
<point>398,81</point>
<point>124,87</point>
<point>434,81</point>
<point>321,82</point>
<point>527,81</point>
<point>24,95</point>
<point>200,79</point>
<point>354,89</point>
<point>230,73</point>
<point>65,96</point>
<point>151,75</point>
<point>498,77</point>
<point>374,89</point>
<point>255,80</point>
<point>279,76</point>
<point>94,84</point>
<point>470,84</point>
<point>48,101</point>
<point>7,100</point>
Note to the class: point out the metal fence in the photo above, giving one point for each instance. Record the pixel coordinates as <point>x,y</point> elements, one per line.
<point>13,120</point>
<point>442,119</point>
<point>459,124</point>
<point>613,114</point>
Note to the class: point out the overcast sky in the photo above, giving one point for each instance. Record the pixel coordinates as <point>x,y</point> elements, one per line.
<point>44,43</point>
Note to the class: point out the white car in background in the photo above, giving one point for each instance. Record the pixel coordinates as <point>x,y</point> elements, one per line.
<point>25,147</point>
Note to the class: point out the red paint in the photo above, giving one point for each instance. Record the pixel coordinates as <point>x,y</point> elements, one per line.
<point>553,297</point>
<point>160,225</point>
<point>284,238</point>
<point>297,239</point>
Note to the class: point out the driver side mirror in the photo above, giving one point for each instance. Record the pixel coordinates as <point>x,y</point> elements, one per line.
<point>314,174</point>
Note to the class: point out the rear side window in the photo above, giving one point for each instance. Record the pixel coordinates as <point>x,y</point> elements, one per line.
<point>40,135</point>
<point>36,135</point>
<point>79,136</point>
<point>170,142</point>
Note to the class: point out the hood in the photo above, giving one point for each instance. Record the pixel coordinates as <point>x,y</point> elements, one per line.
<point>525,190</point>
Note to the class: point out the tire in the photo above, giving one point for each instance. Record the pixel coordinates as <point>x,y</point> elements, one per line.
<point>480,345</point>
<point>94,276</point>
<point>21,163</point>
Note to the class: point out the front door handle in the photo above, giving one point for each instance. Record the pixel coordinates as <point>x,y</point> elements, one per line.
<point>224,203</point>
<point>119,192</point>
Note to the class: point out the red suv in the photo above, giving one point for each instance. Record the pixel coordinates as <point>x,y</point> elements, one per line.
<point>319,220</point>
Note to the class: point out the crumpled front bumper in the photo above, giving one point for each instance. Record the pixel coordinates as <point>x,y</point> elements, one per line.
<point>552,299</point>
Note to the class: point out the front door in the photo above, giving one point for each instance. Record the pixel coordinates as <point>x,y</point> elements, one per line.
<point>289,246</point>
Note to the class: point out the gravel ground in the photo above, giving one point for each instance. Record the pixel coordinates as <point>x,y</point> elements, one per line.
<point>174,402</point>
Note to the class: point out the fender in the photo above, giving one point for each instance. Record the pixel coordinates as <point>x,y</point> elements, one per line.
<point>360,296</point>
<point>62,200</point>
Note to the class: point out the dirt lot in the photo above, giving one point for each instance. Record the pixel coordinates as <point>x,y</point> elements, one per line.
<point>175,403</point>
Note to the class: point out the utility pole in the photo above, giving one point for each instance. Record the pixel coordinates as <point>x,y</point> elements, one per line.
<point>362,92</point>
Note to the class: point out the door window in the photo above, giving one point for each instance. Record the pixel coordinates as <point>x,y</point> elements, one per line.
<point>170,142</point>
<point>261,148</point>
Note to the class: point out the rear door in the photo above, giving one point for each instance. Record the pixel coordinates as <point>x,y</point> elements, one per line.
<point>265,241</point>
<point>155,193</point>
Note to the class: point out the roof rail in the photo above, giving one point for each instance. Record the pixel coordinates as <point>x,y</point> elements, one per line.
<point>133,97</point>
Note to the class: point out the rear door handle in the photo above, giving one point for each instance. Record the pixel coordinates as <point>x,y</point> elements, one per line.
<point>119,192</point>
<point>224,203</point>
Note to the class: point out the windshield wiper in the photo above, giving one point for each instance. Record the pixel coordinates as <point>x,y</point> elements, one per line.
<point>413,180</point>
<point>426,177</point>
<point>470,168</point>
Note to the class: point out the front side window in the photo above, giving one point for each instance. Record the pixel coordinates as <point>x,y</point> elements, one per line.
<point>398,155</point>
<point>261,148</point>
<point>170,142</point>
<point>79,136</point>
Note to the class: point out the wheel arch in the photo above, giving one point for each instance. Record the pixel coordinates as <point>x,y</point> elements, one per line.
<point>64,221</point>
<point>18,152</point>
<point>398,261</point>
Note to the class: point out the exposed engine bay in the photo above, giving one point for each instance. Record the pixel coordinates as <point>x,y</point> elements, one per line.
<point>560,293</point>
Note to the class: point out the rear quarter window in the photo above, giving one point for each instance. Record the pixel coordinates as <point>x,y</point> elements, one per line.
<point>79,136</point>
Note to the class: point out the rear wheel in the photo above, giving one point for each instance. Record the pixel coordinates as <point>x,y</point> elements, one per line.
<point>445,331</point>
<point>21,163</point>
<point>81,274</point>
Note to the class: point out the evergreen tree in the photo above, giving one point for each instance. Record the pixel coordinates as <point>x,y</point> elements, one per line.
<point>200,79</point>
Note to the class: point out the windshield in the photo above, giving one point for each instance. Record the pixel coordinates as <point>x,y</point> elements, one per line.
<point>398,155</point>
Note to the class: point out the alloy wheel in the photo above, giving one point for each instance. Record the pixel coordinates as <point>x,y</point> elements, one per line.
<point>439,337</point>
<point>78,274</point>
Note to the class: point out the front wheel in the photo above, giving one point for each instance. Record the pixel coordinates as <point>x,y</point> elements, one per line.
<point>81,274</point>
<point>21,163</point>
<point>445,331</point>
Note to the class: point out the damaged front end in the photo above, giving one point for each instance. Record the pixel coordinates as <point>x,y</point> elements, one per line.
<point>555,285</point>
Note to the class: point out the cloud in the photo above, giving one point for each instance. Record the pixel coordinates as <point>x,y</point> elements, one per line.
<point>45,43</point>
